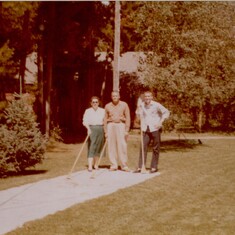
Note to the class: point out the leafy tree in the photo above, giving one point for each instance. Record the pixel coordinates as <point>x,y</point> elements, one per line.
<point>130,37</point>
<point>191,56</point>
<point>16,39</point>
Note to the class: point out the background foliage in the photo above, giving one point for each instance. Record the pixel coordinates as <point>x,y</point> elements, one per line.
<point>189,63</point>
<point>190,59</point>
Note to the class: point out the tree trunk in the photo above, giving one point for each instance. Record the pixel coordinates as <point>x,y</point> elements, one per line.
<point>41,111</point>
<point>25,34</point>
<point>200,116</point>
<point>49,71</point>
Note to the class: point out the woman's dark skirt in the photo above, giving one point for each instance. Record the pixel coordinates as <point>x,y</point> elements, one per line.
<point>96,141</point>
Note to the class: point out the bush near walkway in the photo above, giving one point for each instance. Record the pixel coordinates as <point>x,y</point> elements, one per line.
<point>22,144</point>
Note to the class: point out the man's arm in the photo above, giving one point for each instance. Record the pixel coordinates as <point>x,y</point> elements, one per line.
<point>165,113</point>
<point>105,120</point>
<point>128,118</point>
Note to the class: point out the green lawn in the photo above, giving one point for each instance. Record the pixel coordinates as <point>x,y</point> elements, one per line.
<point>193,195</point>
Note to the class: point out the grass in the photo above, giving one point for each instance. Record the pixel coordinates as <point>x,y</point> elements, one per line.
<point>193,195</point>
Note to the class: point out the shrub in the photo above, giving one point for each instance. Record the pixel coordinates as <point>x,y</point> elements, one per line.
<point>22,144</point>
<point>56,134</point>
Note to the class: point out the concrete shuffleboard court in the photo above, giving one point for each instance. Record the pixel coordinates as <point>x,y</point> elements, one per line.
<point>33,201</point>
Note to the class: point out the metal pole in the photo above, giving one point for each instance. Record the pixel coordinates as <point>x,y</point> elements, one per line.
<point>116,47</point>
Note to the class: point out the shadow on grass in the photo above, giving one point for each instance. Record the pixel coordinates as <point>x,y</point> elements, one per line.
<point>26,172</point>
<point>74,138</point>
<point>54,146</point>
<point>178,145</point>
<point>56,149</point>
<point>102,166</point>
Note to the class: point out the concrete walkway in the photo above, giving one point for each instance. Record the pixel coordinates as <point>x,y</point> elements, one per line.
<point>37,200</point>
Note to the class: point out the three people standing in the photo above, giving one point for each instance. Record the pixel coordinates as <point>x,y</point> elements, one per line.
<point>113,123</point>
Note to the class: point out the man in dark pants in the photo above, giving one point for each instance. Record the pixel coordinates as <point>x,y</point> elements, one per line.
<point>151,115</point>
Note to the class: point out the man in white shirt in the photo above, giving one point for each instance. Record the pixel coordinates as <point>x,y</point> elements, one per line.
<point>151,115</point>
<point>93,120</point>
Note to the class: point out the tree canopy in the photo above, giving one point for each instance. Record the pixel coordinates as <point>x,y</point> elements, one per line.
<point>190,56</point>
<point>17,38</point>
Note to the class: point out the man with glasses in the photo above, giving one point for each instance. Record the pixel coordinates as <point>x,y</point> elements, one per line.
<point>93,120</point>
<point>116,128</point>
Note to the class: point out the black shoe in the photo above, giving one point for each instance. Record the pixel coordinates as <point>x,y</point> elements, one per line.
<point>137,171</point>
<point>153,171</point>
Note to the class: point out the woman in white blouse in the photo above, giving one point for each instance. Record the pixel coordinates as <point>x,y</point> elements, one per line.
<point>93,120</point>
